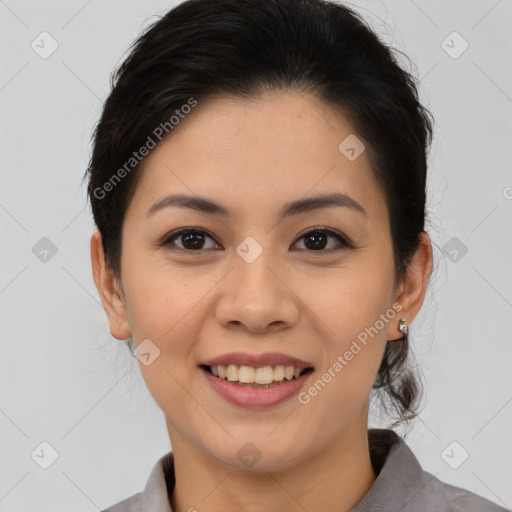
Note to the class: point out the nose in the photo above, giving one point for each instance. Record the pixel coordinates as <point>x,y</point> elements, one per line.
<point>255,297</point>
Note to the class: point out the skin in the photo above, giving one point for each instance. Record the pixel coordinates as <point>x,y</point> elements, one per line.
<point>252,156</point>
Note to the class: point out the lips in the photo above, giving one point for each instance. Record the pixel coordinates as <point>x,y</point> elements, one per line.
<point>257,361</point>
<point>255,397</point>
<point>241,392</point>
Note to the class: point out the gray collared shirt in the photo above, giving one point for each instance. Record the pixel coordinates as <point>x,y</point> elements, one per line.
<point>401,484</point>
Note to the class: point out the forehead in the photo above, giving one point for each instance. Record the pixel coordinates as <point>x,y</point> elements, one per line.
<point>267,151</point>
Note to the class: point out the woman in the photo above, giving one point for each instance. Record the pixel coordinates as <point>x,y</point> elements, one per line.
<point>258,182</point>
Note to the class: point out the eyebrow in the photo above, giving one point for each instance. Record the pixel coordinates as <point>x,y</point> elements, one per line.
<point>204,205</point>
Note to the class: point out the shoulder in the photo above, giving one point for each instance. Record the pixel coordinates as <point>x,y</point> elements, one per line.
<point>131,504</point>
<point>155,495</point>
<point>428,493</point>
<point>402,484</point>
<point>458,499</point>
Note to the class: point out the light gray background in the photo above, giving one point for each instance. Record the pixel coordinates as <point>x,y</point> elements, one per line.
<point>66,381</point>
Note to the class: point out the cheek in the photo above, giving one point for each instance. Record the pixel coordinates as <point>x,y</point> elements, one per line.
<point>351,301</point>
<point>160,299</point>
<point>357,312</point>
<point>164,305</point>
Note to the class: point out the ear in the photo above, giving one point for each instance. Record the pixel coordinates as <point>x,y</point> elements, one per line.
<point>411,291</point>
<point>109,289</point>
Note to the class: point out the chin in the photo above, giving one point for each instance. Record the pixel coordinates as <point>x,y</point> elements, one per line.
<point>258,454</point>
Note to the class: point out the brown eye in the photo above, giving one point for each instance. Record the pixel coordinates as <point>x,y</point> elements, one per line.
<point>192,240</point>
<point>317,240</point>
<point>195,240</point>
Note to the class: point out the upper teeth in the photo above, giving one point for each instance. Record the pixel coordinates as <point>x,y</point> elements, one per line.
<point>248,374</point>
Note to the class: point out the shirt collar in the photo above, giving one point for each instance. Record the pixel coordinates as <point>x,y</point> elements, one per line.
<point>399,474</point>
<point>394,463</point>
<point>155,495</point>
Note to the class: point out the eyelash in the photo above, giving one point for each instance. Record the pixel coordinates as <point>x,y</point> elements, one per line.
<point>168,240</point>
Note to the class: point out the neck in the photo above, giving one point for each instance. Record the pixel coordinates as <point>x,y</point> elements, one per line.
<point>336,478</point>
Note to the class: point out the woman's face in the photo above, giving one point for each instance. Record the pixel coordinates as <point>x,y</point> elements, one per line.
<point>255,282</point>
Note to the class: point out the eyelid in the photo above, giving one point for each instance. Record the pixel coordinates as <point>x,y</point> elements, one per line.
<point>176,233</point>
<point>344,240</point>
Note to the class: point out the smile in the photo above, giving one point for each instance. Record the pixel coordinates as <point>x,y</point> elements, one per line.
<point>249,376</point>
<point>256,395</point>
